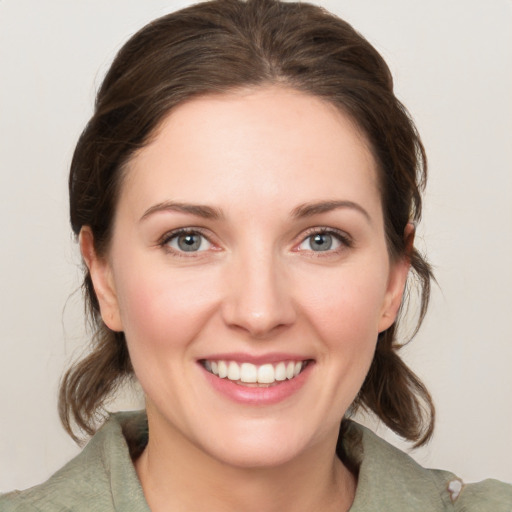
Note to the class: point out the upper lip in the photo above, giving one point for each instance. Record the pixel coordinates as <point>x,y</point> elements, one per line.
<point>239,357</point>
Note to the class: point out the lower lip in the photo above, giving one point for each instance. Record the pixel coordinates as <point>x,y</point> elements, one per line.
<point>273,394</point>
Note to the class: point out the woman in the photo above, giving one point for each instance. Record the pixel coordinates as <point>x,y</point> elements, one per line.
<point>245,198</point>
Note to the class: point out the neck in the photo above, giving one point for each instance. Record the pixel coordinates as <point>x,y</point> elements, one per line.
<point>176,475</point>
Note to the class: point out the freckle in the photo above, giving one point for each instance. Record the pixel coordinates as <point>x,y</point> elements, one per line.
<point>454,488</point>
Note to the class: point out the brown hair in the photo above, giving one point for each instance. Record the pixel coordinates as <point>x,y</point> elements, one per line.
<point>214,47</point>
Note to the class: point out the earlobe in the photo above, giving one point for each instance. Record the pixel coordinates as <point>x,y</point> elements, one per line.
<point>102,280</point>
<point>396,284</point>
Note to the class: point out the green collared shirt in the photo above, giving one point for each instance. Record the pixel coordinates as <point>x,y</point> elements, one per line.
<point>103,479</point>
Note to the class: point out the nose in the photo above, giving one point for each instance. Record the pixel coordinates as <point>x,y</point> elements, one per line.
<point>259,299</point>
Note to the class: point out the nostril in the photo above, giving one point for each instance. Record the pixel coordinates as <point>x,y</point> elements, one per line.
<point>258,299</point>
<point>258,323</point>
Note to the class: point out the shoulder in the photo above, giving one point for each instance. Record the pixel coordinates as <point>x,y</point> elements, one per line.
<point>101,477</point>
<point>390,480</point>
<point>486,496</point>
<point>79,481</point>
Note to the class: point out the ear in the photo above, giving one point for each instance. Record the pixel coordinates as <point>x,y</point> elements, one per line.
<point>398,273</point>
<point>102,280</point>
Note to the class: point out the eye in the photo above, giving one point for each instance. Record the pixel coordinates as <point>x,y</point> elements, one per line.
<point>186,241</point>
<point>324,240</point>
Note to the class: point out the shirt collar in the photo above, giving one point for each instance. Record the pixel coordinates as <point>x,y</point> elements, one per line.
<point>387,477</point>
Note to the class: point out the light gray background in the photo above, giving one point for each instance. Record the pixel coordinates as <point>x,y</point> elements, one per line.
<point>452,62</point>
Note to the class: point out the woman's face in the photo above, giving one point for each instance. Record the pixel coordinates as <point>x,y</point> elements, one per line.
<point>249,240</point>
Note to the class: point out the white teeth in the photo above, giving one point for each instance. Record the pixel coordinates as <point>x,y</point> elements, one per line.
<point>280,371</point>
<point>266,374</point>
<point>233,371</point>
<point>290,367</point>
<point>223,369</point>
<point>250,373</point>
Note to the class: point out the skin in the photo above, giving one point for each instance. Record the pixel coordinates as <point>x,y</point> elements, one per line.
<point>257,287</point>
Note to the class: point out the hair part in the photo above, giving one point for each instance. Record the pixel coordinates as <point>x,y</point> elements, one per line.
<point>216,47</point>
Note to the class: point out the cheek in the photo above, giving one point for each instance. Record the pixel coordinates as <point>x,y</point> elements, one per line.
<point>342,309</point>
<point>163,310</point>
<point>346,305</point>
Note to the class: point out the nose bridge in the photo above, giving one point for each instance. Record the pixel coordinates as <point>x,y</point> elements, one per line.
<point>258,299</point>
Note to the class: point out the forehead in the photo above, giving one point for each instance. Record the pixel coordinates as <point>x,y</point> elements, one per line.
<point>272,144</point>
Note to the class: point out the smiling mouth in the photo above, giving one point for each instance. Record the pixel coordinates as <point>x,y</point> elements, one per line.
<point>252,375</point>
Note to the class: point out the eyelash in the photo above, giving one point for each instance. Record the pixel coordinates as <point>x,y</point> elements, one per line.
<point>343,238</point>
<point>170,235</point>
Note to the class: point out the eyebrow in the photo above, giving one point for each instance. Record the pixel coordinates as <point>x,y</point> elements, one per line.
<point>208,212</point>
<point>199,210</point>
<point>310,209</point>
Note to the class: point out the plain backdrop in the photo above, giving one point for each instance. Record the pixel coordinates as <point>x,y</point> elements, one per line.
<point>452,63</point>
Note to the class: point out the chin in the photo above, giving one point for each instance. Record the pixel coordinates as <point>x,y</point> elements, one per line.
<point>260,446</point>
<point>257,455</point>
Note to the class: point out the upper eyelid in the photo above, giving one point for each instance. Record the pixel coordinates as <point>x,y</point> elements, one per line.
<point>164,243</point>
<point>329,230</point>
<point>169,235</point>
<point>344,237</point>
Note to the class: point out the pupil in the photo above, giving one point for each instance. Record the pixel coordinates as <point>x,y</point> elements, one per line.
<point>321,242</point>
<point>189,242</point>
